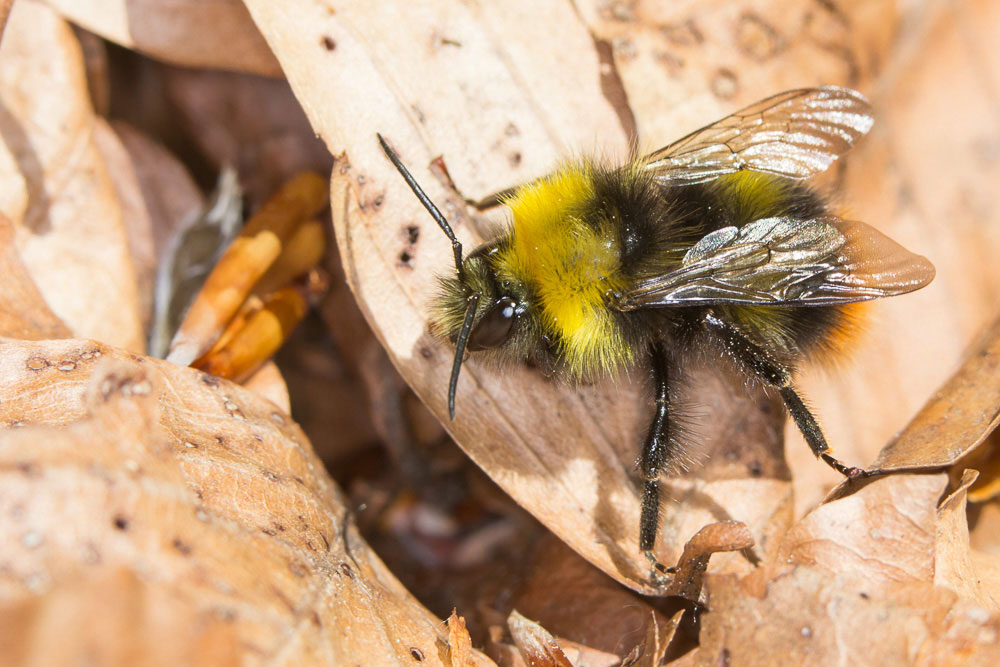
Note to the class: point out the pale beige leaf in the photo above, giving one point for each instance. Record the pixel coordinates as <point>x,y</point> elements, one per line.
<point>54,184</point>
<point>208,493</point>
<point>574,473</point>
<point>805,616</point>
<point>683,65</point>
<point>886,531</point>
<point>959,417</point>
<point>157,196</point>
<point>23,311</point>
<point>925,176</point>
<point>216,34</point>
<point>955,563</point>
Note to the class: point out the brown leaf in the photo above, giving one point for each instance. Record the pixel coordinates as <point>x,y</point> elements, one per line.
<point>577,602</point>
<point>459,642</point>
<point>925,176</point>
<point>689,575</point>
<point>216,34</point>
<point>157,195</point>
<point>805,616</point>
<point>137,614</point>
<point>202,488</point>
<point>575,473</point>
<point>537,645</point>
<point>251,123</point>
<point>55,186</point>
<point>651,651</point>
<point>23,311</point>
<point>886,531</point>
<point>957,418</point>
<point>955,563</point>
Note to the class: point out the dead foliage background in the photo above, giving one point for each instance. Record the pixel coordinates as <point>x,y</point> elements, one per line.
<point>320,514</point>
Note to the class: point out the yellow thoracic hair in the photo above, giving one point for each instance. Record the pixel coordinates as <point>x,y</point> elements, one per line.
<point>570,264</point>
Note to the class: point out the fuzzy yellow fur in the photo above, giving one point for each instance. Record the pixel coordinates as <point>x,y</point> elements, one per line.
<point>571,266</point>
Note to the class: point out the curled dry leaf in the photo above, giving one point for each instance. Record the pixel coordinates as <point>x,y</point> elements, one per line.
<point>54,184</point>
<point>536,644</point>
<point>956,566</point>
<point>216,34</point>
<point>957,419</point>
<point>157,196</point>
<point>689,575</point>
<point>565,454</point>
<point>203,491</point>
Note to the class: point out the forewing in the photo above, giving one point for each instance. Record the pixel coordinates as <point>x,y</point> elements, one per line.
<point>796,134</point>
<point>786,262</point>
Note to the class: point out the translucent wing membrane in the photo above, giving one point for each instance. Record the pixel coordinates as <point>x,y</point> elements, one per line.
<point>783,261</point>
<point>795,134</point>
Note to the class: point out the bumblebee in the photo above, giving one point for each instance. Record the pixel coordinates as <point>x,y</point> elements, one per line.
<point>713,243</point>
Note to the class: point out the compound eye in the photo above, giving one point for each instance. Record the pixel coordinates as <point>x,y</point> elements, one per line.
<point>495,327</point>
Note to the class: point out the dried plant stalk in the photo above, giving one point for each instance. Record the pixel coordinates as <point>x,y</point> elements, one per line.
<point>252,340</point>
<point>245,262</point>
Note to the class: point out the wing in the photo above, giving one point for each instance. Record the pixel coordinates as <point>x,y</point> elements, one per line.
<point>786,262</point>
<point>795,134</point>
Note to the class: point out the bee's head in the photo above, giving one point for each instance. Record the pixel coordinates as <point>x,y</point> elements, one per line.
<point>473,312</point>
<point>495,312</point>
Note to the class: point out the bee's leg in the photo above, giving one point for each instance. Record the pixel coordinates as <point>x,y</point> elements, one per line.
<point>763,365</point>
<point>655,456</point>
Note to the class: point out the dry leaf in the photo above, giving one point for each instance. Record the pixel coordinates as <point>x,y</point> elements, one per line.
<point>141,619</point>
<point>23,311</point>
<point>957,418</point>
<point>251,123</point>
<point>459,642</point>
<point>55,186</point>
<point>537,645</point>
<point>929,183</point>
<point>575,473</point>
<point>805,616</point>
<point>954,560</point>
<point>886,531</point>
<point>575,601</point>
<point>651,652</point>
<point>216,34</point>
<point>198,486</point>
<point>157,196</point>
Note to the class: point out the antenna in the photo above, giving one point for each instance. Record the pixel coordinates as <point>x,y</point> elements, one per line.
<point>463,338</point>
<point>456,246</point>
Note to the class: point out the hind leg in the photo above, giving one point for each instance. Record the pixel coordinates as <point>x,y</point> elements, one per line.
<point>762,364</point>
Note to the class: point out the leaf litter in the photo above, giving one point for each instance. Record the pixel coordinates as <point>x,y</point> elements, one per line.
<point>895,558</point>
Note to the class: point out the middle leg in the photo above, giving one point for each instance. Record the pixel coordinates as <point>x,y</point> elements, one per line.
<point>659,452</point>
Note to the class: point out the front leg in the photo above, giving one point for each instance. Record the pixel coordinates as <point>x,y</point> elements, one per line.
<point>765,366</point>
